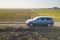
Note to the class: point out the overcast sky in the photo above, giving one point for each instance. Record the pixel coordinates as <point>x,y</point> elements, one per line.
<point>29,3</point>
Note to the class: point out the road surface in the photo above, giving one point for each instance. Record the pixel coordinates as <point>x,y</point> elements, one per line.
<point>56,23</point>
<point>21,24</point>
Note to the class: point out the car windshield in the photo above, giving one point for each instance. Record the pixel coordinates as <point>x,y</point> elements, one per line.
<point>35,18</point>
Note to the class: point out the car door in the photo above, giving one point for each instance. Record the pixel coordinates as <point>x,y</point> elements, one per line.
<point>37,21</point>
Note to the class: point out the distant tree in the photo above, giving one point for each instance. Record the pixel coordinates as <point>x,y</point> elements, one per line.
<point>55,7</point>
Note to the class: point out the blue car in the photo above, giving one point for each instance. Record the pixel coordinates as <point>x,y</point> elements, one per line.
<point>40,21</point>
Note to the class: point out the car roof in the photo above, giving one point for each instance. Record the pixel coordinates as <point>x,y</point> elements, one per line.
<point>42,17</point>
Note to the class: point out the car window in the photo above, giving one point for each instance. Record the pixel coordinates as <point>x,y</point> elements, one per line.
<point>48,19</point>
<point>42,19</point>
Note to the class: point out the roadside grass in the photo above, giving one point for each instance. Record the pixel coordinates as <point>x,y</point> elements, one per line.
<point>52,33</point>
<point>43,33</point>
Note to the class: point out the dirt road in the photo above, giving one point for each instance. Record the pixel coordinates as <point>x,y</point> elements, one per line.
<point>20,24</point>
<point>56,23</point>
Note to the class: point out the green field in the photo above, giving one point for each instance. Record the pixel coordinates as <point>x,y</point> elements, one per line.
<point>17,15</point>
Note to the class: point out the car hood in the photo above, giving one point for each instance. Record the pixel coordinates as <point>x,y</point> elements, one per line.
<point>28,20</point>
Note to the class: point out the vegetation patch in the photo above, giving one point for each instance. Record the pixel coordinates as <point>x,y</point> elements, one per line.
<point>40,33</point>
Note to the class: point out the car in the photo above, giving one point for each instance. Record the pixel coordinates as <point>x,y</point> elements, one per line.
<point>40,21</point>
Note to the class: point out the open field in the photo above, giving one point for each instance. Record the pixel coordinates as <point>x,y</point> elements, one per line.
<point>14,15</point>
<point>53,13</point>
<point>17,15</point>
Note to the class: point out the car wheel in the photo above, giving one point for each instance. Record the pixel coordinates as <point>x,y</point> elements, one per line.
<point>31,25</point>
<point>49,25</point>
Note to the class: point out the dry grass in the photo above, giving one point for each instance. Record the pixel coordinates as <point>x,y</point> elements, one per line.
<point>22,15</point>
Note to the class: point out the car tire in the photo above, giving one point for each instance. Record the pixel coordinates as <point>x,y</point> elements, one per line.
<point>31,25</point>
<point>49,25</point>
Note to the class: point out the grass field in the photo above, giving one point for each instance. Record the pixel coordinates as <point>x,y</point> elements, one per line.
<point>54,13</point>
<point>14,15</point>
<point>22,15</point>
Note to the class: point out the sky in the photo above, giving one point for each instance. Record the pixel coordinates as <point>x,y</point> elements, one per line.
<point>29,3</point>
